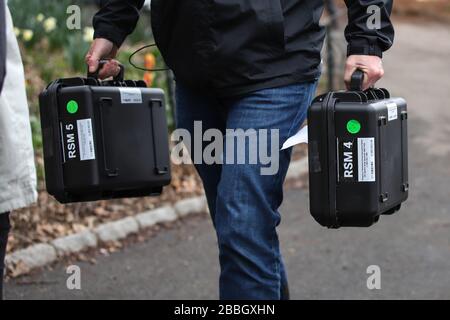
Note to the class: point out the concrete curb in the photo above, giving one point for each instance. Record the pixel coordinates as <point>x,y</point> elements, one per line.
<point>75,243</point>
<point>44,254</point>
<point>117,230</point>
<point>161,215</point>
<point>36,256</point>
<point>190,206</point>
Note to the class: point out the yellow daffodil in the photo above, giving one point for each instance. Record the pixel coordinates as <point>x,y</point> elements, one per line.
<point>88,34</point>
<point>27,35</point>
<point>40,17</point>
<point>49,24</point>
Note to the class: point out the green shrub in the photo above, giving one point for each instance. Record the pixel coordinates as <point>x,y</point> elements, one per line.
<point>75,51</point>
<point>45,19</point>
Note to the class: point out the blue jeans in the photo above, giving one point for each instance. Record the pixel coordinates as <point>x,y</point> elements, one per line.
<point>244,203</point>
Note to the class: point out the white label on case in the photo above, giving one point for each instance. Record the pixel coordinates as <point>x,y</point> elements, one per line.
<point>86,139</point>
<point>130,95</point>
<point>366,160</point>
<point>392,111</point>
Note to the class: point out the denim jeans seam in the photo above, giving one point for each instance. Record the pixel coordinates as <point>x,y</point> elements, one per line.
<point>299,114</point>
<point>277,262</point>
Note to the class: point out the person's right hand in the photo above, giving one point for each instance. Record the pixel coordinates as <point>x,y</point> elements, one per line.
<point>103,49</point>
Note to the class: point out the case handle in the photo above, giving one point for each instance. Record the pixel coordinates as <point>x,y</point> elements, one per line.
<point>101,64</point>
<point>357,80</point>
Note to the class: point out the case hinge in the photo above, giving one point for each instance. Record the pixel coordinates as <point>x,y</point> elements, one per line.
<point>405,187</point>
<point>404,115</point>
<point>382,121</point>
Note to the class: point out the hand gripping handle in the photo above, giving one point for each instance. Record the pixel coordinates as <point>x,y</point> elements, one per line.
<point>101,63</point>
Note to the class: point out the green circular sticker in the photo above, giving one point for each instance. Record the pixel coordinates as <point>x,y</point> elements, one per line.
<point>72,107</point>
<point>353,126</point>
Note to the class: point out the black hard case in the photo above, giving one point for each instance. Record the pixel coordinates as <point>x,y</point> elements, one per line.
<point>341,200</point>
<point>130,141</point>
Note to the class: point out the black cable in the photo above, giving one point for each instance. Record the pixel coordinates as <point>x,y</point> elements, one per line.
<point>130,60</point>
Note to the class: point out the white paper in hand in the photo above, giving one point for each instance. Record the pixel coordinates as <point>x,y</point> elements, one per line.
<point>300,137</point>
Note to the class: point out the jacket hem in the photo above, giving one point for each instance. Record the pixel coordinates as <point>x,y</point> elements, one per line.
<point>267,84</point>
<point>26,195</point>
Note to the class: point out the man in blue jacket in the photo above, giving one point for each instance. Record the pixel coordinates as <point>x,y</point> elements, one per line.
<point>250,65</point>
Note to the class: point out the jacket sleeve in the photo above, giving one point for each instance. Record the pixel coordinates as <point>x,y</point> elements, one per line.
<point>116,19</point>
<point>369,31</point>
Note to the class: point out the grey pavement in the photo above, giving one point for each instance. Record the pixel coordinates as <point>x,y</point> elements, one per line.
<point>412,248</point>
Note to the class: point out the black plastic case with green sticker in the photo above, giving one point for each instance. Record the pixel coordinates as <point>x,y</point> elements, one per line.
<point>104,139</point>
<point>358,156</point>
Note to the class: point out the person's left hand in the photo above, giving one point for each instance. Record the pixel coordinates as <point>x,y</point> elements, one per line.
<point>372,66</point>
